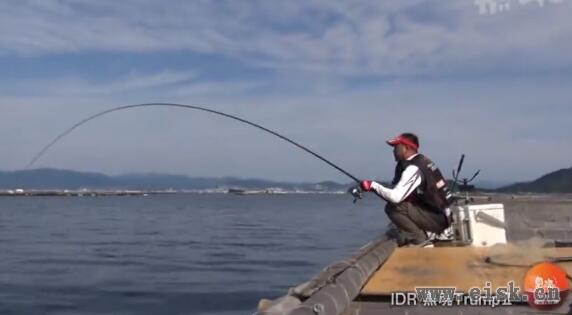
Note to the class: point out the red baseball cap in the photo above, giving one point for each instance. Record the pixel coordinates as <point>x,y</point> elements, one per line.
<point>402,140</point>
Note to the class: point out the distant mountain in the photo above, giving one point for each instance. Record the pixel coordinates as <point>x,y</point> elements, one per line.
<point>66,179</point>
<point>556,182</point>
<point>52,178</point>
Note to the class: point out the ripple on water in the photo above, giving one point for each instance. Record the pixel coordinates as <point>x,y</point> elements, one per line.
<point>179,254</point>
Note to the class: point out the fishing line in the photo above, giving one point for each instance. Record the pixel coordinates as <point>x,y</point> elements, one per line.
<point>120,108</point>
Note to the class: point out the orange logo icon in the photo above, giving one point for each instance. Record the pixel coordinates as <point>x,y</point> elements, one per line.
<point>546,285</point>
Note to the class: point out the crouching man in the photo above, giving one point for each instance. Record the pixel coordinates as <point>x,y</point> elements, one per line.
<point>419,200</point>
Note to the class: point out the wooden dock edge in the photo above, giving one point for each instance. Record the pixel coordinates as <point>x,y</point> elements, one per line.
<point>333,289</point>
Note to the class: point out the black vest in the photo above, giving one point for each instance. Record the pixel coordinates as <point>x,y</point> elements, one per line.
<point>433,192</point>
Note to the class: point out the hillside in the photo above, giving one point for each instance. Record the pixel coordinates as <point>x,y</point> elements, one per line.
<point>559,181</point>
<point>66,179</point>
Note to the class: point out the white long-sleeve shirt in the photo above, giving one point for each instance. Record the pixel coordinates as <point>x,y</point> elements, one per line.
<point>410,179</point>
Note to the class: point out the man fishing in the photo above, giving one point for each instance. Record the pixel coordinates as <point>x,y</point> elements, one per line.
<point>419,200</point>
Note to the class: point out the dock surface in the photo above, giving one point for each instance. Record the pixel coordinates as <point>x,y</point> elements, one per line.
<point>547,217</point>
<point>538,226</point>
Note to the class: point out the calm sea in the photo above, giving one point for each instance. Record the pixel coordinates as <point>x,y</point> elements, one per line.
<point>171,254</point>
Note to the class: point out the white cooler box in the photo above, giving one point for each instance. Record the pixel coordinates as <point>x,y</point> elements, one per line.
<point>480,225</point>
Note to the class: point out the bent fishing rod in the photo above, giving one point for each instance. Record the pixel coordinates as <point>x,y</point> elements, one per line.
<point>190,107</point>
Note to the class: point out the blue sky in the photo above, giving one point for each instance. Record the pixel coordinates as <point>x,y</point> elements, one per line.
<point>337,76</point>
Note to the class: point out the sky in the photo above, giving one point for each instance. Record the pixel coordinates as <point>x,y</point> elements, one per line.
<point>490,79</point>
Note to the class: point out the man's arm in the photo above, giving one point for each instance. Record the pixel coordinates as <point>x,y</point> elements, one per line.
<point>410,180</point>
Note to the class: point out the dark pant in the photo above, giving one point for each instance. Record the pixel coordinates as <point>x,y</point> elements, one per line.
<point>413,220</point>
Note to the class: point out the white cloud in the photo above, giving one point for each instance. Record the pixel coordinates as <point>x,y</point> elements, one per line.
<point>376,37</point>
<point>315,46</point>
<point>493,122</point>
<point>78,86</point>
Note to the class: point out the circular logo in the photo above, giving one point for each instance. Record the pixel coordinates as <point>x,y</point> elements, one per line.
<point>546,285</point>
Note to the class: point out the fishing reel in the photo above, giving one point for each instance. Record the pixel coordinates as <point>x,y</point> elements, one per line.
<point>356,192</point>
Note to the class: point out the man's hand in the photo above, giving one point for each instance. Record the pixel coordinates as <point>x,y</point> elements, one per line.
<point>366,185</point>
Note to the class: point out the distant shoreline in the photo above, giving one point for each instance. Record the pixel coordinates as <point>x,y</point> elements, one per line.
<point>474,197</point>
<point>103,193</point>
<point>46,179</point>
